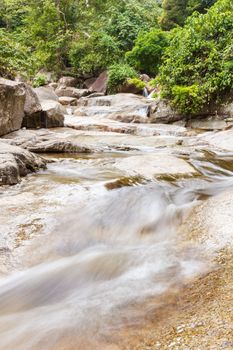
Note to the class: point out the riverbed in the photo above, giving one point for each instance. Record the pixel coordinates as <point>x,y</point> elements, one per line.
<point>103,250</point>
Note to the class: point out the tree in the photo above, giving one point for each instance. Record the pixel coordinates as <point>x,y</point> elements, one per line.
<point>198,66</point>
<point>148,50</point>
<point>175,12</point>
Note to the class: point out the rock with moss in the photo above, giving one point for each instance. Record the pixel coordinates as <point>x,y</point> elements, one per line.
<point>133,86</point>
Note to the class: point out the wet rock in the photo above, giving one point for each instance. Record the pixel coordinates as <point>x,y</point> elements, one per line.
<point>44,141</point>
<point>46,93</point>
<point>211,123</point>
<point>89,141</point>
<point>100,84</point>
<point>68,101</point>
<point>122,107</point>
<point>151,165</point>
<point>16,162</point>
<point>108,125</point>
<point>62,91</point>
<point>68,81</point>
<point>221,140</point>
<point>161,112</point>
<point>12,99</point>
<point>211,221</point>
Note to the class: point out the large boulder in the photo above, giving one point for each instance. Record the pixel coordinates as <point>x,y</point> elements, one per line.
<point>12,100</point>
<point>71,92</point>
<point>68,81</point>
<point>89,82</point>
<point>33,115</point>
<point>52,111</point>
<point>16,162</point>
<point>53,114</point>
<point>100,84</point>
<point>162,112</point>
<point>46,93</point>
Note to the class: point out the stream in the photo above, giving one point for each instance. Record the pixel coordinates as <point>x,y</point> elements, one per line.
<point>85,248</point>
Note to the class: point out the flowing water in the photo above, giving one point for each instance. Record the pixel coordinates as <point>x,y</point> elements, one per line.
<point>82,258</point>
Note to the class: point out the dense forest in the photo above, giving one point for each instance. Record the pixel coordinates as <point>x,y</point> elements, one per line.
<point>186,46</point>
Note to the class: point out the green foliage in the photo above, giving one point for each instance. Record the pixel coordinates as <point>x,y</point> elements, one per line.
<point>93,54</point>
<point>110,33</point>
<point>46,34</point>
<point>139,84</point>
<point>198,66</point>
<point>155,95</point>
<point>175,12</point>
<point>118,75</point>
<point>147,52</point>
<point>187,99</point>
<point>14,57</point>
<point>130,18</point>
<point>39,80</point>
<point>154,82</point>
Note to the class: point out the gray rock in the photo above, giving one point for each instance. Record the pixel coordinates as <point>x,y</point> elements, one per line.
<point>219,140</point>
<point>53,85</point>
<point>53,114</point>
<point>16,162</point>
<point>100,84</point>
<point>71,92</point>
<point>33,114</point>
<point>151,165</point>
<point>68,81</point>
<point>68,101</point>
<point>12,100</point>
<point>161,112</point>
<point>121,107</point>
<point>46,93</point>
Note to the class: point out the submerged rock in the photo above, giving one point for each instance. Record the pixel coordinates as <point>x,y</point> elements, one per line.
<point>12,100</point>
<point>16,162</point>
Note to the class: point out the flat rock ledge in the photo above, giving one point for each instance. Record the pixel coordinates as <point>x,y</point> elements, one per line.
<point>152,165</point>
<point>16,162</point>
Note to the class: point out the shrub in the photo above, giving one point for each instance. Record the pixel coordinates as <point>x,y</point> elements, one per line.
<point>39,80</point>
<point>139,84</point>
<point>198,66</point>
<point>187,99</point>
<point>147,52</point>
<point>118,75</point>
